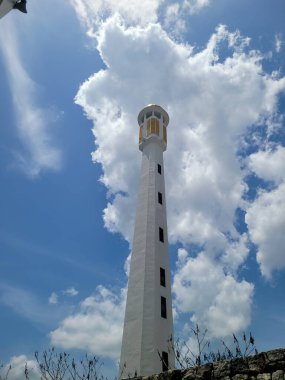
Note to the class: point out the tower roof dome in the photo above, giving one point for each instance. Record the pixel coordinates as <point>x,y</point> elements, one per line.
<point>156,109</point>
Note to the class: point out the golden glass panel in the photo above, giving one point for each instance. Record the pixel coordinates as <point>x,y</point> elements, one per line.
<point>157,127</point>
<point>152,123</point>
<point>152,126</point>
<point>164,135</point>
<point>148,128</point>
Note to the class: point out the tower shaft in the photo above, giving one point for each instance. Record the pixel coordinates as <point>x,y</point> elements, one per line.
<point>148,324</point>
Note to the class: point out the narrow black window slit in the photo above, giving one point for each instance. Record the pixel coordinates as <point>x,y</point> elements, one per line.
<point>161,235</point>
<point>164,359</point>
<point>163,307</point>
<point>162,277</point>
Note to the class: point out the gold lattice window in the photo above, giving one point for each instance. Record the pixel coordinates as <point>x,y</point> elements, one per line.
<point>164,135</point>
<point>148,128</point>
<point>157,127</point>
<point>152,126</point>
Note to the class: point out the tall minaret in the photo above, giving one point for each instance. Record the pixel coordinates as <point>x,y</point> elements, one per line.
<point>148,324</point>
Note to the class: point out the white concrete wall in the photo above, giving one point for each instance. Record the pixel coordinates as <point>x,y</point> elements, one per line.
<point>145,331</point>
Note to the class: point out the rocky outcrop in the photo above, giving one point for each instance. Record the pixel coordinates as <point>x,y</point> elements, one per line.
<point>264,366</point>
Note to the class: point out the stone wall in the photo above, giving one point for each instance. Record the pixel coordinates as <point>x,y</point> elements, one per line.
<point>268,365</point>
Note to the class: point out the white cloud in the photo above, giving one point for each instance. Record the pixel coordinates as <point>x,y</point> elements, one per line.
<point>194,6</point>
<point>204,98</point>
<point>96,327</point>
<point>39,151</point>
<point>119,212</point>
<point>266,214</point>
<point>216,300</point>
<point>266,223</point>
<point>173,18</point>
<point>278,42</point>
<point>179,10</point>
<point>71,292</point>
<point>172,15</point>
<point>235,253</point>
<point>92,14</point>
<point>212,105</point>
<point>17,371</point>
<point>53,298</point>
<point>269,164</point>
<point>175,15</point>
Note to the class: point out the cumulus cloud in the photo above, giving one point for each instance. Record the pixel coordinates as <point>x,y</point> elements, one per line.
<point>92,14</point>
<point>193,6</point>
<point>213,96</point>
<point>269,164</point>
<point>39,151</point>
<point>266,223</point>
<point>176,13</point>
<point>96,327</point>
<point>265,216</point>
<point>215,298</point>
<point>204,97</point>
<point>213,104</point>
<point>171,14</point>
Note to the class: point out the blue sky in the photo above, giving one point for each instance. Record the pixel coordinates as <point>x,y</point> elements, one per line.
<point>74,76</point>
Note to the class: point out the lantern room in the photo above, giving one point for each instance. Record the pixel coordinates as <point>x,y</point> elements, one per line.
<point>153,121</point>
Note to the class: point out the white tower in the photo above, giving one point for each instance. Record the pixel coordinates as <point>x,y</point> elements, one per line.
<point>148,324</point>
